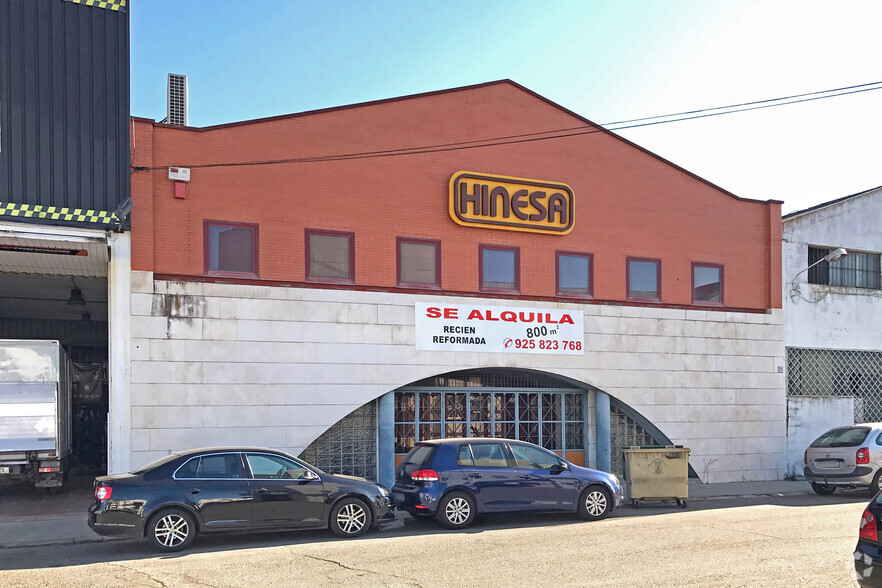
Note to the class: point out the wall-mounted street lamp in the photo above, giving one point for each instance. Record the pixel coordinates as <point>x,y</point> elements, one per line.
<point>835,255</point>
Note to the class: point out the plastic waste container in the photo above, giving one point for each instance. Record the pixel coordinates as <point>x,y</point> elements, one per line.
<point>657,473</point>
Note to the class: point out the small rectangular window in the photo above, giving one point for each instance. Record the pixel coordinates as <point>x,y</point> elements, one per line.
<point>499,268</point>
<point>644,279</point>
<point>330,256</point>
<point>419,263</point>
<point>707,283</point>
<point>230,248</point>
<point>574,274</point>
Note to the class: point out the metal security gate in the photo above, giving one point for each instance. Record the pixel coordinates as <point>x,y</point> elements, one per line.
<point>836,372</point>
<point>493,403</point>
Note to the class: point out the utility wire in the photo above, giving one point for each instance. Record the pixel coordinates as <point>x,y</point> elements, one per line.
<point>743,104</point>
<point>661,122</point>
<point>552,134</point>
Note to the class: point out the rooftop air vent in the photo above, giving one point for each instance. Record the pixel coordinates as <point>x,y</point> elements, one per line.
<point>177,100</point>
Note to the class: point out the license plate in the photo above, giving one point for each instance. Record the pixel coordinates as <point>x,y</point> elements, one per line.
<point>4,470</point>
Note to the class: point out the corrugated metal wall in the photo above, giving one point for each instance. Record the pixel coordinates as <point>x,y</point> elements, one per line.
<point>64,104</point>
<point>70,333</point>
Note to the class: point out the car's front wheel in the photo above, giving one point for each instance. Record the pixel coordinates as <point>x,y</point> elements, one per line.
<point>350,517</point>
<point>595,503</point>
<point>456,510</point>
<point>823,489</point>
<point>172,530</point>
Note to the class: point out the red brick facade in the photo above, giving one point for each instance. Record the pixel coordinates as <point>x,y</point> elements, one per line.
<point>628,202</point>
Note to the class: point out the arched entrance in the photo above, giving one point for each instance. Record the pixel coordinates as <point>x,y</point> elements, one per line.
<point>552,411</point>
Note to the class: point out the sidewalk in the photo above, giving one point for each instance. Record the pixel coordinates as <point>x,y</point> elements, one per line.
<point>27,520</point>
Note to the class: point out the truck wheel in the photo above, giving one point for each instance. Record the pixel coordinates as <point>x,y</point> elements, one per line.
<point>456,510</point>
<point>172,530</point>
<point>595,503</point>
<point>823,489</point>
<point>350,518</point>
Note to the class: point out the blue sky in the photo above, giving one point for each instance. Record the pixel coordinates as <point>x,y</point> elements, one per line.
<point>607,61</point>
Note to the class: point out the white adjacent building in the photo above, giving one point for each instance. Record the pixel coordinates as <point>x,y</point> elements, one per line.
<point>833,318</point>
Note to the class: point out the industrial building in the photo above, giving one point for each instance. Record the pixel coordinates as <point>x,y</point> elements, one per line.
<point>478,261</point>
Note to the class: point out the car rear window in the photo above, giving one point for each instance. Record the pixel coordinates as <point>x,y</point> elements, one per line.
<point>155,464</point>
<point>419,455</point>
<point>842,437</point>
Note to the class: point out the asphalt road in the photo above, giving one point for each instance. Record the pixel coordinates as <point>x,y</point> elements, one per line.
<point>789,541</point>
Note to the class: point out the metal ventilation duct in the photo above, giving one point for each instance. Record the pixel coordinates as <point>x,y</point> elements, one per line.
<point>177,100</point>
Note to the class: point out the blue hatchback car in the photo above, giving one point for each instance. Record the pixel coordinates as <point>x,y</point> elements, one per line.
<point>455,479</point>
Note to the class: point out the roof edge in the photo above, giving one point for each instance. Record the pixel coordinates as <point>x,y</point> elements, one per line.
<point>823,205</point>
<point>337,108</point>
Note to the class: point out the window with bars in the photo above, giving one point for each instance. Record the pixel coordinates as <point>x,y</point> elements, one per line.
<point>856,270</point>
<point>553,420</point>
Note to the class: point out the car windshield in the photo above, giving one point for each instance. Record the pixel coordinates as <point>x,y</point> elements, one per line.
<point>842,437</point>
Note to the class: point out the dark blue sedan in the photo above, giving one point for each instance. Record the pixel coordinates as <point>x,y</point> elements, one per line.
<point>455,479</point>
<point>172,500</point>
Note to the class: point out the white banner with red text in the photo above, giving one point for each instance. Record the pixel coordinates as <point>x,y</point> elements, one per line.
<point>502,329</point>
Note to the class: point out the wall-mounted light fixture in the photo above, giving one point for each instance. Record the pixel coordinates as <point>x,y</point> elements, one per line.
<point>834,255</point>
<point>76,298</point>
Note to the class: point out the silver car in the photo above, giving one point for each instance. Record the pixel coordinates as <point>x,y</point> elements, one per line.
<point>846,457</point>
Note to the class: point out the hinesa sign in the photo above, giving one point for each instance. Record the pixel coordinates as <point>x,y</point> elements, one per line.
<point>482,328</point>
<point>513,204</point>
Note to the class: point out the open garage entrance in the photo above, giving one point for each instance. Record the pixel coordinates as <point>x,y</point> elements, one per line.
<point>54,286</point>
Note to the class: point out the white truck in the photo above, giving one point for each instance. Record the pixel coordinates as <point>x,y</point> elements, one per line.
<point>35,412</point>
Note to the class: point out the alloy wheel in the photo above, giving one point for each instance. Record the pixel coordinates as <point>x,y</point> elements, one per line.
<point>351,518</point>
<point>595,503</point>
<point>457,510</point>
<point>171,530</point>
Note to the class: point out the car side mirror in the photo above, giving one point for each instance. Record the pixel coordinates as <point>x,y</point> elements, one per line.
<point>561,466</point>
<point>309,476</point>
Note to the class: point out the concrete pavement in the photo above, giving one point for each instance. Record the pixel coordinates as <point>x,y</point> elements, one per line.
<point>30,519</point>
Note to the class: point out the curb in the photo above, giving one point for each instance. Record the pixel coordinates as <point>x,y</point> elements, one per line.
<point>64,541</point>
<point>744,496</point>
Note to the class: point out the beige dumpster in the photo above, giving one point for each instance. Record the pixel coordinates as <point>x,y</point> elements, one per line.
<point>657,473</point>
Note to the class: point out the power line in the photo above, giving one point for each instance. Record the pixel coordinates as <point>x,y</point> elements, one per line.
<point>551,134</point>
<point>661,122</point>
<point>744,104</point>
